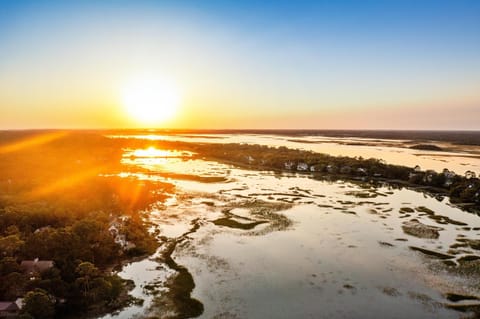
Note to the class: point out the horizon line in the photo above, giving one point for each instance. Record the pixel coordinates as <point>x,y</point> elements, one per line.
<point>240,129</point>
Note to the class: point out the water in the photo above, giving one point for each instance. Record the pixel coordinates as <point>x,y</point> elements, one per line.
<point>458,158</point>
<point>289,246</point>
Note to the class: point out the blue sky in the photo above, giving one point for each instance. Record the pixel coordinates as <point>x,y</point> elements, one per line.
<point>272,64</point>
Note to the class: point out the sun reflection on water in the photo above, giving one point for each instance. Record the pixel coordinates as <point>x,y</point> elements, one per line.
<point>153,152</point>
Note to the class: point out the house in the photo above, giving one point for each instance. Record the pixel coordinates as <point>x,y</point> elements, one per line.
<point>429,176</point>
<point>345,169</point>
<point>449,176</point>
<point>302,167</point>
<point>415,177</point>
<point>470,175</point>
<point>113,230</point>
<point>35,267</point>
<point>361,171</point>
<point>129,245</point>
<point>19,302</point>
<point>332,169</point>
<point>42,229</point>
<point>120,239</point>
<point>8,309</point>
<point>289,165</point>
<point>317,168</point>
<point>448,173</point>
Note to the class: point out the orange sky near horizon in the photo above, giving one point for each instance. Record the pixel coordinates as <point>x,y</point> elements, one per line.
<point>289,67</point>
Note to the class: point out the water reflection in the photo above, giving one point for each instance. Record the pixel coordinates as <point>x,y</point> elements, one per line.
<point>456,158</point>
<point>153,152</point>
<point>287,245</point>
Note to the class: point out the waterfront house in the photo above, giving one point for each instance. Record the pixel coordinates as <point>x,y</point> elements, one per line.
<point>8,309</point>
<point>332,169</point>
<point>34,268</point>
<point>302,167</point>
<point>289,165</point>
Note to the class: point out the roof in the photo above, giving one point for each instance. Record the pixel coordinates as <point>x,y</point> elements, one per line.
<point>39,266</point>
<point>8,306</point>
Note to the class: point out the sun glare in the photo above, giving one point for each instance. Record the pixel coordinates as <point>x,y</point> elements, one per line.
<point>152,152</point>
<point>151,100</point>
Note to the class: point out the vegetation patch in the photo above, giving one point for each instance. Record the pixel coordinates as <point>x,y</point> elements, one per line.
<point>232,223</point>
<point>390,291</point>
<point>418,229</point>
<point>426,147</point>
<point>468,258</point>
<point>432,253</point>
<point>177,301</point>
<point>457,297</point>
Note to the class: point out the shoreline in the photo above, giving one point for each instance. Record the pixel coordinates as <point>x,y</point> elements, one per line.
<point>371,179</point>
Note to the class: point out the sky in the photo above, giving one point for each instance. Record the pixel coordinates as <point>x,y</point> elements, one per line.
<point>394,64</point>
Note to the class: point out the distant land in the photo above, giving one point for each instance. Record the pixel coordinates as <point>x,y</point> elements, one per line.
<point>461,137</point>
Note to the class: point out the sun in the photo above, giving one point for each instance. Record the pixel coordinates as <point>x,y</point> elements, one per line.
<point>151,100</point>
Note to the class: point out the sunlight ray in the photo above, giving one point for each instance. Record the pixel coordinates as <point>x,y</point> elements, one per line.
<point>31,142</point>
<point>65,182</point>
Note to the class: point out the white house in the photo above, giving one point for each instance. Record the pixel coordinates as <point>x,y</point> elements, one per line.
<point>302,167</point>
